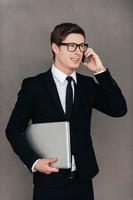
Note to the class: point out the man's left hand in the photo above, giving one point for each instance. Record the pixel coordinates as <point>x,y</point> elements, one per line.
<point>93,63</point>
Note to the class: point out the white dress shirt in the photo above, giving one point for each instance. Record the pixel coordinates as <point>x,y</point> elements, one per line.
<point>61,84</point>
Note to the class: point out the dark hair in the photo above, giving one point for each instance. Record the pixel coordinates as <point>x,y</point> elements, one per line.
<point>61,31</point>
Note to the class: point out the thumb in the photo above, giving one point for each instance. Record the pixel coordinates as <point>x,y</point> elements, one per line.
<point>52,160</point>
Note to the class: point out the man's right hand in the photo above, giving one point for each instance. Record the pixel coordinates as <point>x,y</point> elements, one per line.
<point>43,165</point>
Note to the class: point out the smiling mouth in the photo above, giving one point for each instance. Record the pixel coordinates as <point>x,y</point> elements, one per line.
<point>75,59</point>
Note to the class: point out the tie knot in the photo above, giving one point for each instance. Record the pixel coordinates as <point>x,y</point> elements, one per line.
<point>69,79</point>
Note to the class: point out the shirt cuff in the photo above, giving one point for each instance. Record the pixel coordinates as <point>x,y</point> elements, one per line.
<point>100,72</point>
<point>33,166</point>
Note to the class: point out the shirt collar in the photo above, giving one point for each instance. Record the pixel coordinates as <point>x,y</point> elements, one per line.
<point>62,76</point>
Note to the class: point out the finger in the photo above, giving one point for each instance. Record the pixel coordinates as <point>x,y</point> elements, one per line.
<point>52,160</point>
<point>89,55</point>
<point>53,169</point>
<point>89,51</point>
<point>48,172</point>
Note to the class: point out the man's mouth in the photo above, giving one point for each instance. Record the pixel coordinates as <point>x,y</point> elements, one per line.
<point>75,59</point>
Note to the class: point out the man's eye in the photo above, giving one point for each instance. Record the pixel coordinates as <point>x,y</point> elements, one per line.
<point>72,45</point>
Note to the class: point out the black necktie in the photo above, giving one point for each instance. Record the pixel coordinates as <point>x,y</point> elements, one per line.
<point>69,98</point>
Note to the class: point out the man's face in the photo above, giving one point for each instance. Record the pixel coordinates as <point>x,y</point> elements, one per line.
<point>65,60</point>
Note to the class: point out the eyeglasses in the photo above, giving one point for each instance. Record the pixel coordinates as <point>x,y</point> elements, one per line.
<point>73,46</point>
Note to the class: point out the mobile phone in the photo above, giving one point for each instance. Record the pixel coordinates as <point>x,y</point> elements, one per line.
<point>85,59</point>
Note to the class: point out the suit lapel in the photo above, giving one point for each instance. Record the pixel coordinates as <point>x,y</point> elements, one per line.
<point>53,93</point>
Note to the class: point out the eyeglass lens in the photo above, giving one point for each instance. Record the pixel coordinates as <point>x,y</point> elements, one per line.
<point>72,47</point>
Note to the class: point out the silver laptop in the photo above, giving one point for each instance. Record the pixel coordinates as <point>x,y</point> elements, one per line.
<point>51,140</point>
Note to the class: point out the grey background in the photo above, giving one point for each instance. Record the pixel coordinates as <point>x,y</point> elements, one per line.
<point>25,26</point>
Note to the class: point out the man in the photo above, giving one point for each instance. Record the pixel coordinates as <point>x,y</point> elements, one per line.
<point>61,94</point>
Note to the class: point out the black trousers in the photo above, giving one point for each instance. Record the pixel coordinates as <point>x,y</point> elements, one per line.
<point>74,190</point>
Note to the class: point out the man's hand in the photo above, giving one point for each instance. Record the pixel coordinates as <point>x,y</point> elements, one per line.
<point>43,165</point>
<point>94,63</point>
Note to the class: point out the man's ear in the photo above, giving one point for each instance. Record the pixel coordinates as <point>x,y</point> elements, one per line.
<point>55,48</point>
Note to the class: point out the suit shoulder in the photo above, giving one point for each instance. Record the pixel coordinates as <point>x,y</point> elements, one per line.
<point>34,80</point>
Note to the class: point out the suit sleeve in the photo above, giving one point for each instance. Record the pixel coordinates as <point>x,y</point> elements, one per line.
<point>20,117</point>
<point>108,97</point>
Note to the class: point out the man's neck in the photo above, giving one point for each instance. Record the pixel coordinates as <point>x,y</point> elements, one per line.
<point>66,71</point>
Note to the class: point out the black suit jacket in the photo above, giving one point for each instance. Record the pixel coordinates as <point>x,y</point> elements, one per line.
<point>38,100</point>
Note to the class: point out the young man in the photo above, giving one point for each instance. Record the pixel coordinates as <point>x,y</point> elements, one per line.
<point>61,94</point>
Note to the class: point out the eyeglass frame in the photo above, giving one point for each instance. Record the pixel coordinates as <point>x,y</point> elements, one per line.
<point>76,45</point>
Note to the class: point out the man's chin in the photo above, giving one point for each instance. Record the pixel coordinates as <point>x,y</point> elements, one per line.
<point>74,67</point>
